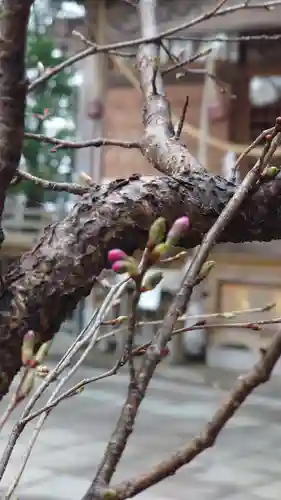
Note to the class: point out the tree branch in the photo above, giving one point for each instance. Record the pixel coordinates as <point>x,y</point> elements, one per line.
<point>207,437</point>
<point>69,187</point>
<point>156,38</point>
<point>51,278</point>
<point>65,144</point>
<point>13,86</point>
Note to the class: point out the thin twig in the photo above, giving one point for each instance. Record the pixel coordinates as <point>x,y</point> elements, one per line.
<point>159,36</point>
<point>73,391</point>
<point>197,318</point>
<point>131,338</point>
<point>251,325</point>
<point>248,149</point>
<point>259,374</point>
<point>189,60</point>
<point>68,187</point>
<point>64,144</point>
<point>89,43</point>
<point>87,337</point>
<point>15,400</point>
<point>228,39</point>
<point>121,433</point>
<point>154,353</point>
<point>186,71</point>
<point>179,129</point>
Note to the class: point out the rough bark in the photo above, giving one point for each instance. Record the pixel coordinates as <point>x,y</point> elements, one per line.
<point>14,16</point>
<point>51,278</point>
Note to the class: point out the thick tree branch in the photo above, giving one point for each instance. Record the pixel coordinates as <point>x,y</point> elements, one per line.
<point>160,144</point>
<point>13,86</point>
<point>61,269</point>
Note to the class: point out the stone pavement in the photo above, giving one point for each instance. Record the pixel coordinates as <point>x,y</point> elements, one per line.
<point>243,465</point>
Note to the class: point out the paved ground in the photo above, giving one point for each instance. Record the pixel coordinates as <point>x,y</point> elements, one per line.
<point>244,465</point>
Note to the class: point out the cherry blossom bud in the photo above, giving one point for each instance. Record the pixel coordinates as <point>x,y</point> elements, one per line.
<point>271,171</point>
<point>116,254</point>
<point>27,350</point>
<point>159,251</point>
<point>42,352</point>
<point>156,232</point>
<point>78,391</point>
<point>109,495</point>
<point>118,321</point>
<point>151,281</point>
<point>125,266</point>
<point>179,228</point>
<point>205,270</point>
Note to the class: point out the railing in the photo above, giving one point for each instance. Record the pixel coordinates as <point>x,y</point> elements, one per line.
<point>27,220</point>
<point>21,225</point>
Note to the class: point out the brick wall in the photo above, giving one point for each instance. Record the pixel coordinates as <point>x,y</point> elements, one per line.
<point>123,121</point>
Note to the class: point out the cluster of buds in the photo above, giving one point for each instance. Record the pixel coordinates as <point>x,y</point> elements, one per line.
<point>121,263</point>
<point>156,245</point>
<point>156,248</point>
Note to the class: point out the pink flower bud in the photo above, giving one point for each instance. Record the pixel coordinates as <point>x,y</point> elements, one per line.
<point>125,266</point>
<point>178,229</point>
<point>116,254</point>
<point>159,251</point>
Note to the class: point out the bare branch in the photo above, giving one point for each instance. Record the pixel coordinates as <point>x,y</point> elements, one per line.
<point>156,38</point>
<point>228,39</point>
<point>64,144</point>
<point>207,437</point>
<point>62,263</point>
<point>161,147</point>
<point>182,118</point>
<point>248,149</point>
<point>189,60</point>
<point>87,337</point>
<point>68,187</point>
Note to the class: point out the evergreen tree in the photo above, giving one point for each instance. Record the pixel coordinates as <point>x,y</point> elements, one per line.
<point>50,110</point>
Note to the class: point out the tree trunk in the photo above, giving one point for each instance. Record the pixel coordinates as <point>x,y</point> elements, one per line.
<point>14,16</point>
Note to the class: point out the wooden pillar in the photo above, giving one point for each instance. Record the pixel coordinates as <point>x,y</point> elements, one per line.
<point>239,110</point>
